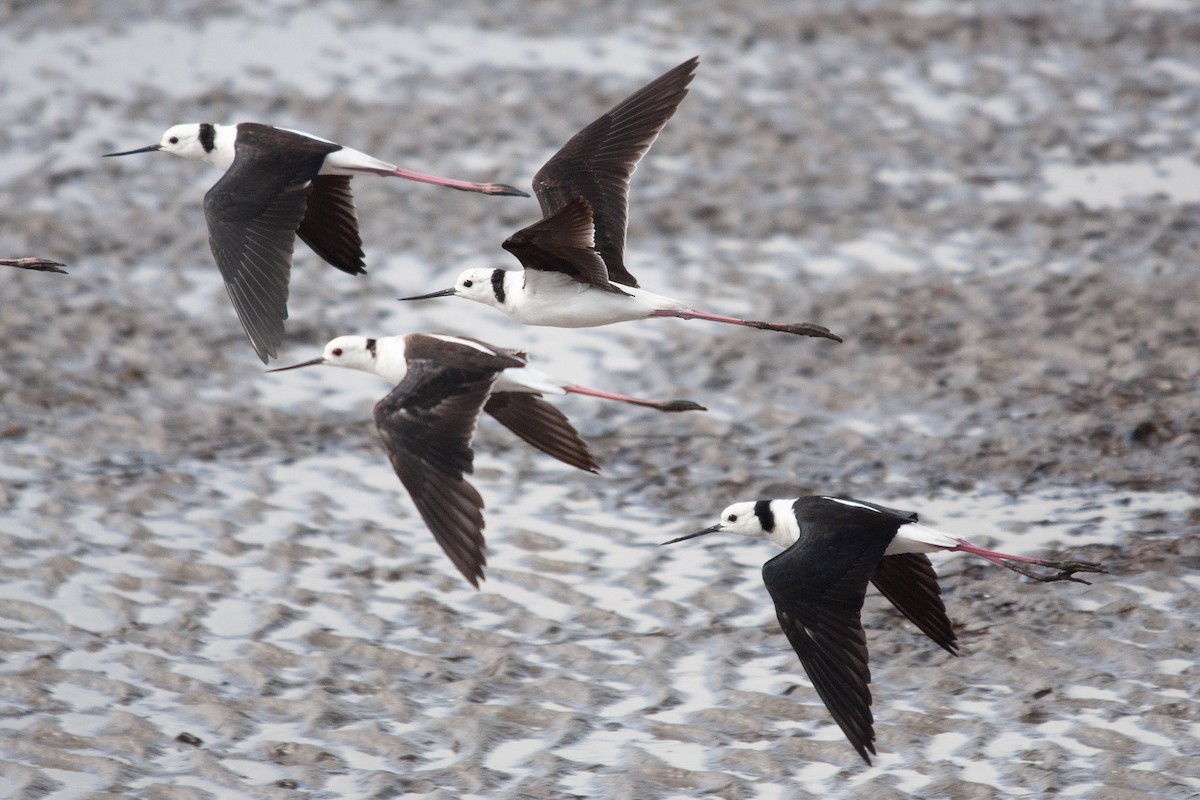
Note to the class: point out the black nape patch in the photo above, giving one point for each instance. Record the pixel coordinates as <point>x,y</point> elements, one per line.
<point>208,137</point>
<point>498,285</point>
<point>766,517</point>
<point>371,347</point>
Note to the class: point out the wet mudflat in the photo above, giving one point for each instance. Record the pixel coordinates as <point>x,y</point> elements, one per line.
<point>997,209</point>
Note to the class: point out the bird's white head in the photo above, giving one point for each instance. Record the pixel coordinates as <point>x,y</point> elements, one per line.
<point>185,140</point>
<point>740,518</point>
<point>384,357</point>
<point>199,141</point>
<point>481,285</point>
<point>352,352</point>
<point>770,519</point>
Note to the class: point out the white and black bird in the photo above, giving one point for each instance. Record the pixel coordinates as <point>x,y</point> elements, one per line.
<point>574,272</point>
<point>280,184</point>
<point>442,383</point>
<point>835,546</point>
<point>35,264</point>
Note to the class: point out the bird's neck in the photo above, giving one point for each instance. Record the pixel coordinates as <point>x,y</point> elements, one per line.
<point>786,530</point>
<point>221,156</point>
<point>390,363</point>
<point>506,285</point>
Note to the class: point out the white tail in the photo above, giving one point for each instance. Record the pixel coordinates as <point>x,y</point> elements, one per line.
<point>528,379</point>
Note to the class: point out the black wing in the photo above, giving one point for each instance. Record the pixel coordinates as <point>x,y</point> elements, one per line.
<point>543,426</point>
<point>597,162</point>
<point>910,583</point>
<point>844,510</point>
<point>330,226</point>
<point>818,592</point>
<point>426,424</point>
<point>908,579</point>
<point>255,259</point>
<point>253,212</point>
<point>563,242</point>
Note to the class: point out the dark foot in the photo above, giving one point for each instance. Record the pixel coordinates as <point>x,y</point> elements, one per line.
<point>36,264</point>
<point>798,328</point>
<point>1066,570</point>
<point>499,189</point>
<point>680,405</point>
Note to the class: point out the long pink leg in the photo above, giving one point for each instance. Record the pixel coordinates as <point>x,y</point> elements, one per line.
<point>798,328</point>
<point>451,183</point>
<point>1066,569</point>
<point>670,405</point>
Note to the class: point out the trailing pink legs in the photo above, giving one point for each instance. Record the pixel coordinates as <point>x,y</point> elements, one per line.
<point>1066,569</point>
<point>798,328</point>
<point>670,405</point>
<point>450,183</point>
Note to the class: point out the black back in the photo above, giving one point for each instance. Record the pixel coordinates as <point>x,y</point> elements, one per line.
<point>423,347</point>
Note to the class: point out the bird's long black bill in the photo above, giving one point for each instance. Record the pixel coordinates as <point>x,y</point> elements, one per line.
<point>153,148</point>
<point>442,293</point>
<point>710,529</point>
<point>312,363</point>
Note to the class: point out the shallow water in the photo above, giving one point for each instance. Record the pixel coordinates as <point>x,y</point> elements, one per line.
<point>995,211</point>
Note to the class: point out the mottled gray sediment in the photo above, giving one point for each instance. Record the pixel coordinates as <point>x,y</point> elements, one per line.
<point>189,546</point>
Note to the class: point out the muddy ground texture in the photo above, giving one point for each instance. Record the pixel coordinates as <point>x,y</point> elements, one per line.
<point>1063,352</point>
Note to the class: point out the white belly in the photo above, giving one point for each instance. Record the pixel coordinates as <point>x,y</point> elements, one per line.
<point>558,301</point>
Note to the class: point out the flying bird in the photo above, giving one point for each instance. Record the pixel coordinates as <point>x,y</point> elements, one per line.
<point>835,546</point>
<point>426,422</point>
<point>280,184</point>
<point>574,272</point>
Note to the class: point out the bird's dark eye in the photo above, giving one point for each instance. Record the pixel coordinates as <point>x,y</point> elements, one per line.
<point>337,351</point>
<point>174,140</point>
<point>468,284</point>
<point>731,518</point>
